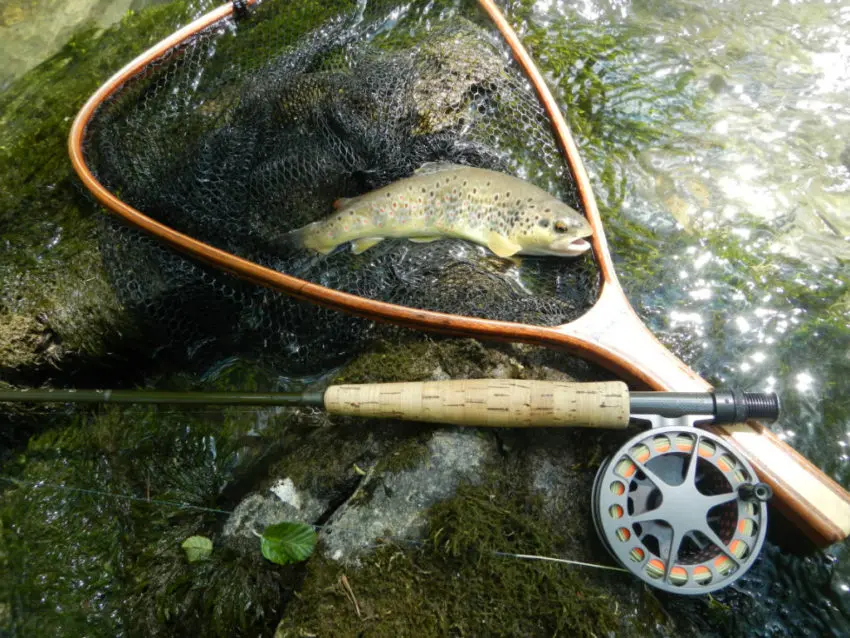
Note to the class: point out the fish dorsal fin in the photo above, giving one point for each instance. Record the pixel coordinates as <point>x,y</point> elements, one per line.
<point>435,167</point>
<point>501,245</point>
<point>364,243</point>
<point>342,202</point>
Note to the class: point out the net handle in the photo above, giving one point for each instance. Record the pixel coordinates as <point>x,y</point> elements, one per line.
<point>610,334</point>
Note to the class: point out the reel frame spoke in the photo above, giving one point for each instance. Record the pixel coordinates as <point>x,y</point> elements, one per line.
<point>671,507</point>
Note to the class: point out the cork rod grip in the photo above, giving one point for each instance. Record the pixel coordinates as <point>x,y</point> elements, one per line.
<point>487,402</point>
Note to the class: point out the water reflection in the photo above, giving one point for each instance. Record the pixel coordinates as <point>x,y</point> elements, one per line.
<point>727,128</point>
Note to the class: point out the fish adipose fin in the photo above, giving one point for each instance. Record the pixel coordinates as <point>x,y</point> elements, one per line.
<point>424,240</point>
<point>435,167</point>
<point>365,243</point>
<point>501,245</point>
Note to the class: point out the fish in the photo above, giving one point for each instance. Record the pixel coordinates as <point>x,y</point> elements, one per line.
<point>442,200</point>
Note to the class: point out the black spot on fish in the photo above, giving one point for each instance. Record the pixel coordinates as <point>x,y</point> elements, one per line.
<point>547,210</point>
<point>543,223</point>
<point>496,197</point>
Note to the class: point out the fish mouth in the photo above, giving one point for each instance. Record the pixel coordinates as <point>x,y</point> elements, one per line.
<point>577,247</point>
<point>570,248</point>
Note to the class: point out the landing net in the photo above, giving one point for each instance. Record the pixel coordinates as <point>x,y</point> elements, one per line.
<point>254,125</point>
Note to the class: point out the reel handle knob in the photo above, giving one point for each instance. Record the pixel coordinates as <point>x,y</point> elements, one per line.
<point>755,492</point>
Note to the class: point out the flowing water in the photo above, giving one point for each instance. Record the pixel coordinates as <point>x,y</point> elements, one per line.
<point>724,129</point>
<point>719,144</point>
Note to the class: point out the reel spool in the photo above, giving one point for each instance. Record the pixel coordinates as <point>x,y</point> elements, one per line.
<point>680,510</point>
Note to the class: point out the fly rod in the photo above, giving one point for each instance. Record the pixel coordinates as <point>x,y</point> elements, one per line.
<point>470,402</point>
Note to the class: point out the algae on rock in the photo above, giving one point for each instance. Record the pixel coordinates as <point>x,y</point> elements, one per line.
<point>55,300</point>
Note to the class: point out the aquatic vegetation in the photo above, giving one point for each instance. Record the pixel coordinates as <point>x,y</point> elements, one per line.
<point>109,499</point>
<point>288,542</point>
<point>197,548</point>
<point>454,582</point>
<point>55,301</point>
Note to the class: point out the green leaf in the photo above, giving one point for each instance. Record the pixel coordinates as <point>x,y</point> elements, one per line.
<point>288,542</point>
<point>197,548</point>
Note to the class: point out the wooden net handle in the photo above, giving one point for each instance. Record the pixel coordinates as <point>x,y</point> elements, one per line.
<point>487,402</point>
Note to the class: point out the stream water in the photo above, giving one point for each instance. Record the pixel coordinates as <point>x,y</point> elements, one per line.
<point>743,177</point>
<point>721,136</point>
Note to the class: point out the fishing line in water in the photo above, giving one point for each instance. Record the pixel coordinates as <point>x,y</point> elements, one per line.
<point>91,492</point>
<point>200,508</point>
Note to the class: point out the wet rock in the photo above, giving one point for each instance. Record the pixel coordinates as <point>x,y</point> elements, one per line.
<point>466,64</point>
<point>281,502</point>
<point>377,479</point>
<point>57,307</point>
<point>32,31</point>
<point>394,504</point>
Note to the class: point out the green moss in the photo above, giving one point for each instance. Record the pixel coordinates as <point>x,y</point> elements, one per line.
<point>235,592</point>
<point>49,263</point>
<point>409,453</point>
<point>92,527</point>
<point>386,362</point>
<point>454,584</point>
<point>420,359</point>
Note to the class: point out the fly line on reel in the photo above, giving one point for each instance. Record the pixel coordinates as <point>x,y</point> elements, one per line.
<point>680,510</point>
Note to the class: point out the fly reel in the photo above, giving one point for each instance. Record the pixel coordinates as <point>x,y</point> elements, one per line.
<point>680,510</point>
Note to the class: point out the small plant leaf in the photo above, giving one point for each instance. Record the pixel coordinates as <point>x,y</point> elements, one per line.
<point>288,542</point>
<point>197,548</point>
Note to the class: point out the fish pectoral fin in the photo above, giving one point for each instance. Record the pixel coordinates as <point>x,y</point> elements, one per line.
<point>311,242</point>
<point>364,243</point>
<point>435,167</point>
<point>501,245</point>
<point>424,240</point>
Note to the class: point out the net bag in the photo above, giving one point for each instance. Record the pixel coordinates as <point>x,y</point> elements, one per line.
<point>254,125</point>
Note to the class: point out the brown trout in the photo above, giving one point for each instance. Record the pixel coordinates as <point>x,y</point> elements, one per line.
<point>504,213</point>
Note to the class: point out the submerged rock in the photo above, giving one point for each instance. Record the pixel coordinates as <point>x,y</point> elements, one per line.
<point>57,307</point>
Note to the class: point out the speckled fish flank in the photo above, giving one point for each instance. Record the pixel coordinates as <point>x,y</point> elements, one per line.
<point>504,213</point>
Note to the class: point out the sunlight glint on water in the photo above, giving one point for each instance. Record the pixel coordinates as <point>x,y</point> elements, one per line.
<point>747,195</point>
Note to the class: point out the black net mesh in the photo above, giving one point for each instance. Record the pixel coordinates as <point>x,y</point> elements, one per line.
<point>256,125</point>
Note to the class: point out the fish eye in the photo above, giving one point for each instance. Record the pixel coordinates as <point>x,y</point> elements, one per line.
<point>561,226</point>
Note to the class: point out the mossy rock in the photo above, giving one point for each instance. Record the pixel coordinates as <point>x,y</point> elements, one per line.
<point>56,303</point>
<point>463,580</point>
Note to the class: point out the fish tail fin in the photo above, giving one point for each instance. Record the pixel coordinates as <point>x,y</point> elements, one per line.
<point>306,237</point>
